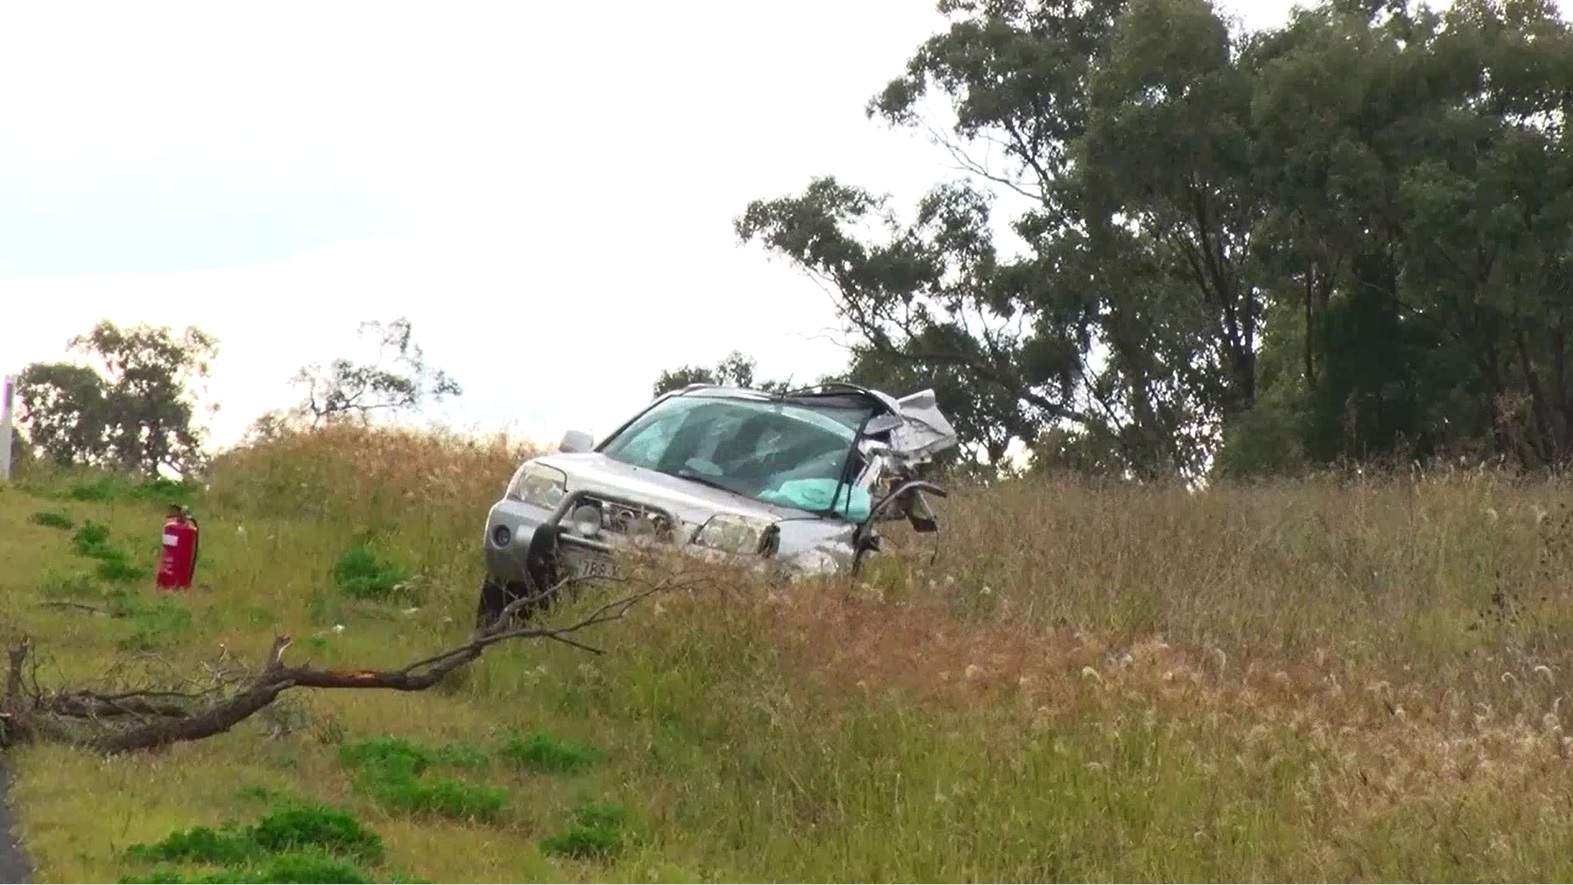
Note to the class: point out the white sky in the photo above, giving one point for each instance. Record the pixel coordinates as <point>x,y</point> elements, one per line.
<point>545,190</point>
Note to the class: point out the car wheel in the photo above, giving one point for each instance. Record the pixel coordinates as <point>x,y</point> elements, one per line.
<point>494,598</point>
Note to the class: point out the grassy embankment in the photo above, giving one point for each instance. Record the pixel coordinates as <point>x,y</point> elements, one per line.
<point>1312,680</point>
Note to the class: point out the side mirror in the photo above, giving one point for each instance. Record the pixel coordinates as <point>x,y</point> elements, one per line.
<point>576,441</point>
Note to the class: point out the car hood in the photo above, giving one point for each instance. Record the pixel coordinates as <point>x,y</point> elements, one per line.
<point>689,501</point>
<point>917,428</point>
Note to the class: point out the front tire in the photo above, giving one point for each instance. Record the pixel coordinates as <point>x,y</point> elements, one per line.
<point>494,598</point>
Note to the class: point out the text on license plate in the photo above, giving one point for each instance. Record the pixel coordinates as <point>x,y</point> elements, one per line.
<point>595,567</point>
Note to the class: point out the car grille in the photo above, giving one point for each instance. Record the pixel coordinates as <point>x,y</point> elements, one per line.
<point>633,520</point>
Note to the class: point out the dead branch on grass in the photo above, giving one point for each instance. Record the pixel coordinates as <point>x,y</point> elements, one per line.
<point>149,719</point>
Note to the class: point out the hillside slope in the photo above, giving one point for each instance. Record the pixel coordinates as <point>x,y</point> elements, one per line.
<point>1296,681</point>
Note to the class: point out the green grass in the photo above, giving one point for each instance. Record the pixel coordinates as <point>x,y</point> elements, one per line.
<point>91,539</point>
<point>441,797</point>
<point>387,757</point>
<point>59,583</point>
<point>293,867</point>
<point>112,563</point>
<point>53,519</point>
<point>362,574</point>
<point>596,831</point>
<point>548,754</point>
<point>100,487</point>
<point>390,770</point>
<point>292,844</point>
<point>1331,679</point>
<point>198,845</point>
<point>328,829</point>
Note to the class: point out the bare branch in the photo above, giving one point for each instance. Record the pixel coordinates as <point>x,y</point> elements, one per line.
<point>154,718</point>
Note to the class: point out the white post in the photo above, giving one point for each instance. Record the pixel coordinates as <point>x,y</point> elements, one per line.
<point>5,429</point>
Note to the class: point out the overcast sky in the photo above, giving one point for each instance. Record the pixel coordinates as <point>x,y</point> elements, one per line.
<point>545,190</point>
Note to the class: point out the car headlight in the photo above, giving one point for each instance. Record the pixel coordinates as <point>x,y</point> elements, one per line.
<point>737,534</point>
<point>539,485</point>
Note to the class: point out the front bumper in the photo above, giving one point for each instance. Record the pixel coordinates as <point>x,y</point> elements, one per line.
<point>530,545</point>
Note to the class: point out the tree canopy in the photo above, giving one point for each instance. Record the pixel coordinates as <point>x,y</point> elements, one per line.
<point>1181,246</point>
<point>130,409</point>
<point>736,369</point>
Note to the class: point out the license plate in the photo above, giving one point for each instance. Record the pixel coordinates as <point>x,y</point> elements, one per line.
<point>595,567</point>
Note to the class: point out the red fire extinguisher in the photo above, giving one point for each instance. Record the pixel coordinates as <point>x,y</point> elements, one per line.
<point>179,562</point>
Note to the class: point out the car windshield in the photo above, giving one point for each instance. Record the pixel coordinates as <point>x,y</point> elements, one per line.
<point>787,452</point>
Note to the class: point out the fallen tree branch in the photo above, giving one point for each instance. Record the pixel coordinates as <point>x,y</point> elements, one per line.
<point>160,718</point>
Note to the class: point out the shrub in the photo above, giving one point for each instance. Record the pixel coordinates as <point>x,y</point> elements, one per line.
<point>317,826</point>
<point>120,487</point>
<point>596,832</point>
<point>307,868</point>
<point>91,539</point>
<point>53,519</point>
<point>306,843</point>
<point>389,770</point>
<point>117,569</point>
<point>548,754</point>
<point>296,867</point>
<point>198,845</point>
<point>362,574</point>
<point>114,564</point>
<point>456,799</point>
<point>386,757</point>
<point>98,489</point>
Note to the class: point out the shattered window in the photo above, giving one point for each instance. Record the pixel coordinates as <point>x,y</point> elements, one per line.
<point>787,452</point>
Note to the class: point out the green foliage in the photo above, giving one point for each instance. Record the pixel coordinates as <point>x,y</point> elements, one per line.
<point>115,568</point>
<point>386,757</point>
<point>90,540</point>
<point>52,519</point>
<point>114,564</point>
<point>595,831</point>
<point>198,845</point>
<point>307,867</point>
<point>107,486</point>
<point>294,867</point>
<point>1366,211</point>
<point>363,574</point>
<point>736,370</point>
<point>1264,441</point>
<point>545,753</point>
<point>134,415</point>
<point>308,843</point>
<point>389,769</point>
<point>329,829</point>
<point>446,797</point>
<point>102,489</point>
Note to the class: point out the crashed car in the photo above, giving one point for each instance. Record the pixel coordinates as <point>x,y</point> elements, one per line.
<point>792,482</point>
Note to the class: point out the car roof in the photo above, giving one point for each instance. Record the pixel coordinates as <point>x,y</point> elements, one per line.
<point>831,389</point>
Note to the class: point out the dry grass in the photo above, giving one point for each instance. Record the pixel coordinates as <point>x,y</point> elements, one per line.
<point>1318,680</point>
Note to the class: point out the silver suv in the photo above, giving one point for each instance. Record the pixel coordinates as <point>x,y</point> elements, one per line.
<point>793,482</point>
